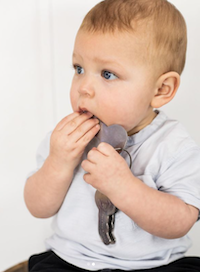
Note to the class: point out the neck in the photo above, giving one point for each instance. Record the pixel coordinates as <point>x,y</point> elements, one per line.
<point>143,124</point>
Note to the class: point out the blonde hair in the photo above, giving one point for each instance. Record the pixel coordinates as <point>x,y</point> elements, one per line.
<point>162,24</point>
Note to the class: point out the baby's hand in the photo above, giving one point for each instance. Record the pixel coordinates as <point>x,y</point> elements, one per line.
<point>69,139</point>
<point>106,169</point>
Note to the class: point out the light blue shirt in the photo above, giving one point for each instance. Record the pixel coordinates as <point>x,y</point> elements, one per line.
<point>165,158</point>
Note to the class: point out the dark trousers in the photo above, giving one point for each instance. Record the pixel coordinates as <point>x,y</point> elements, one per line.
<point>50,262</point>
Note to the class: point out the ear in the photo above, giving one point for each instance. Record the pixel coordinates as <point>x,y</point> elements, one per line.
<point>166,88</point>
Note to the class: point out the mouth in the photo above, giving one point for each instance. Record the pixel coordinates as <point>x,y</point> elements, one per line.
<point>84,110</point>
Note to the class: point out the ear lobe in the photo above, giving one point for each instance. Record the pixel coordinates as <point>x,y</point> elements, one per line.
<point>167,86</point>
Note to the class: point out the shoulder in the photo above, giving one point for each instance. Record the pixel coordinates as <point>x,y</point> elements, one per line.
<point>171,137</point>
<point>166,142</point>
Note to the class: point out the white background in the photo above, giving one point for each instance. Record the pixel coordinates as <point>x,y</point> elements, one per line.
<point>36,42</point>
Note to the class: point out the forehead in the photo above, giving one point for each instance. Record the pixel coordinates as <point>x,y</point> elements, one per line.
<point>104,46</point>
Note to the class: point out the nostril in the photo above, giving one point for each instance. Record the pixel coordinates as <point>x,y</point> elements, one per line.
<point>86,91</point>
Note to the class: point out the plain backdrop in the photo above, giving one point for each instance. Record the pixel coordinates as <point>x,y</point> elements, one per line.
<point>36,43</point>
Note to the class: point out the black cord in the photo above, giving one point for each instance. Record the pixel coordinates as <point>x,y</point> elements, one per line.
<point>119,150</point>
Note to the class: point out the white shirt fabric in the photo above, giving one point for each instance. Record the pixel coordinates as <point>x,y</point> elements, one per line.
<point>165,158</point>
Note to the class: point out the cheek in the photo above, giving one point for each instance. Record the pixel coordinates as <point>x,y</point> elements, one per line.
<point>73,98</point>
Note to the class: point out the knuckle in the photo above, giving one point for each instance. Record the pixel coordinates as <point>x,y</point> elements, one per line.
<point>80,130</point>
<point>90,154</point>
<point>86,139</point>
<point>73,123</point>
<point>76,151</point>
<point>86,178</point>
<point>102,145</point>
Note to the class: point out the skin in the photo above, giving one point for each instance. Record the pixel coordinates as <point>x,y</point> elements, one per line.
<point>130,87</point>
<point>113,84</point>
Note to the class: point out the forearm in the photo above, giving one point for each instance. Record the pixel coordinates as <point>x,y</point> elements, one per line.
<point>158,213</point>
<point>46,189</point>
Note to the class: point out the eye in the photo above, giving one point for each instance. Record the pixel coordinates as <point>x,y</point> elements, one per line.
<point>108,75</point>
<point>79,70</point>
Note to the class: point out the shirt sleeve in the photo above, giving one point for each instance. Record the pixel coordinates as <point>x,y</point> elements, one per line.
<point>181,177</point>
<point>41,154</point>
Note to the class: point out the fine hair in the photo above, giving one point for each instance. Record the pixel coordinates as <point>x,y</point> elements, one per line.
<point>158,23</point>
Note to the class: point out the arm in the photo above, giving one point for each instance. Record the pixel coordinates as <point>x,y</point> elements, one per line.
<point>158,213</point>
<point>46,189</point>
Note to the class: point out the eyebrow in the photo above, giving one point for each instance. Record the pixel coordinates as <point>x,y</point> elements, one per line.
<point>75,55</point>
<point>97,59</point>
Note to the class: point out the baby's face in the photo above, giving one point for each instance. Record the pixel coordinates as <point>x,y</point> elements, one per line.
<point>111,81</point>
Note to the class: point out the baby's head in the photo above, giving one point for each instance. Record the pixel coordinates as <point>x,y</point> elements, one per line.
<point>157,23</point>
<point>137,47</point>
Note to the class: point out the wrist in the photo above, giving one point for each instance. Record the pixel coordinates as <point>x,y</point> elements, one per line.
<point>122,192</point>
<point>129,196</point>
<point>57,169</point>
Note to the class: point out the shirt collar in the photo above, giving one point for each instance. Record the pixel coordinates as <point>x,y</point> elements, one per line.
<point>146,132</point>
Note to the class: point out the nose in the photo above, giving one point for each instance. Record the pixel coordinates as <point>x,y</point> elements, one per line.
<point>87,87</point>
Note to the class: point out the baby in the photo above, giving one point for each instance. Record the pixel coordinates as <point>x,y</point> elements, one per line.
<point>128,57</point>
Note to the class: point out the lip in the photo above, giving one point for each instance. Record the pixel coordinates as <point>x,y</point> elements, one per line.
<point>82,110</point>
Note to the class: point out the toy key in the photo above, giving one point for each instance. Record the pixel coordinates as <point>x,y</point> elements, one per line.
<point>116,136</point>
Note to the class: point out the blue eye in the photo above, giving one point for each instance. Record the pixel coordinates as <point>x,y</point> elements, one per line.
<point>79,69</point>
<point>108,75</point>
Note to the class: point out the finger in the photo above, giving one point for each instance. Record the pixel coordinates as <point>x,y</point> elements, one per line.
<point>73,124</point>
<point>66,120</point>
<point>87,166</point>
<point>73,120</point>
<point>94,148</point>
<point>86,131</point>
<point>88,178</point>
<point>105,149</point>
<point>95,156</point>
